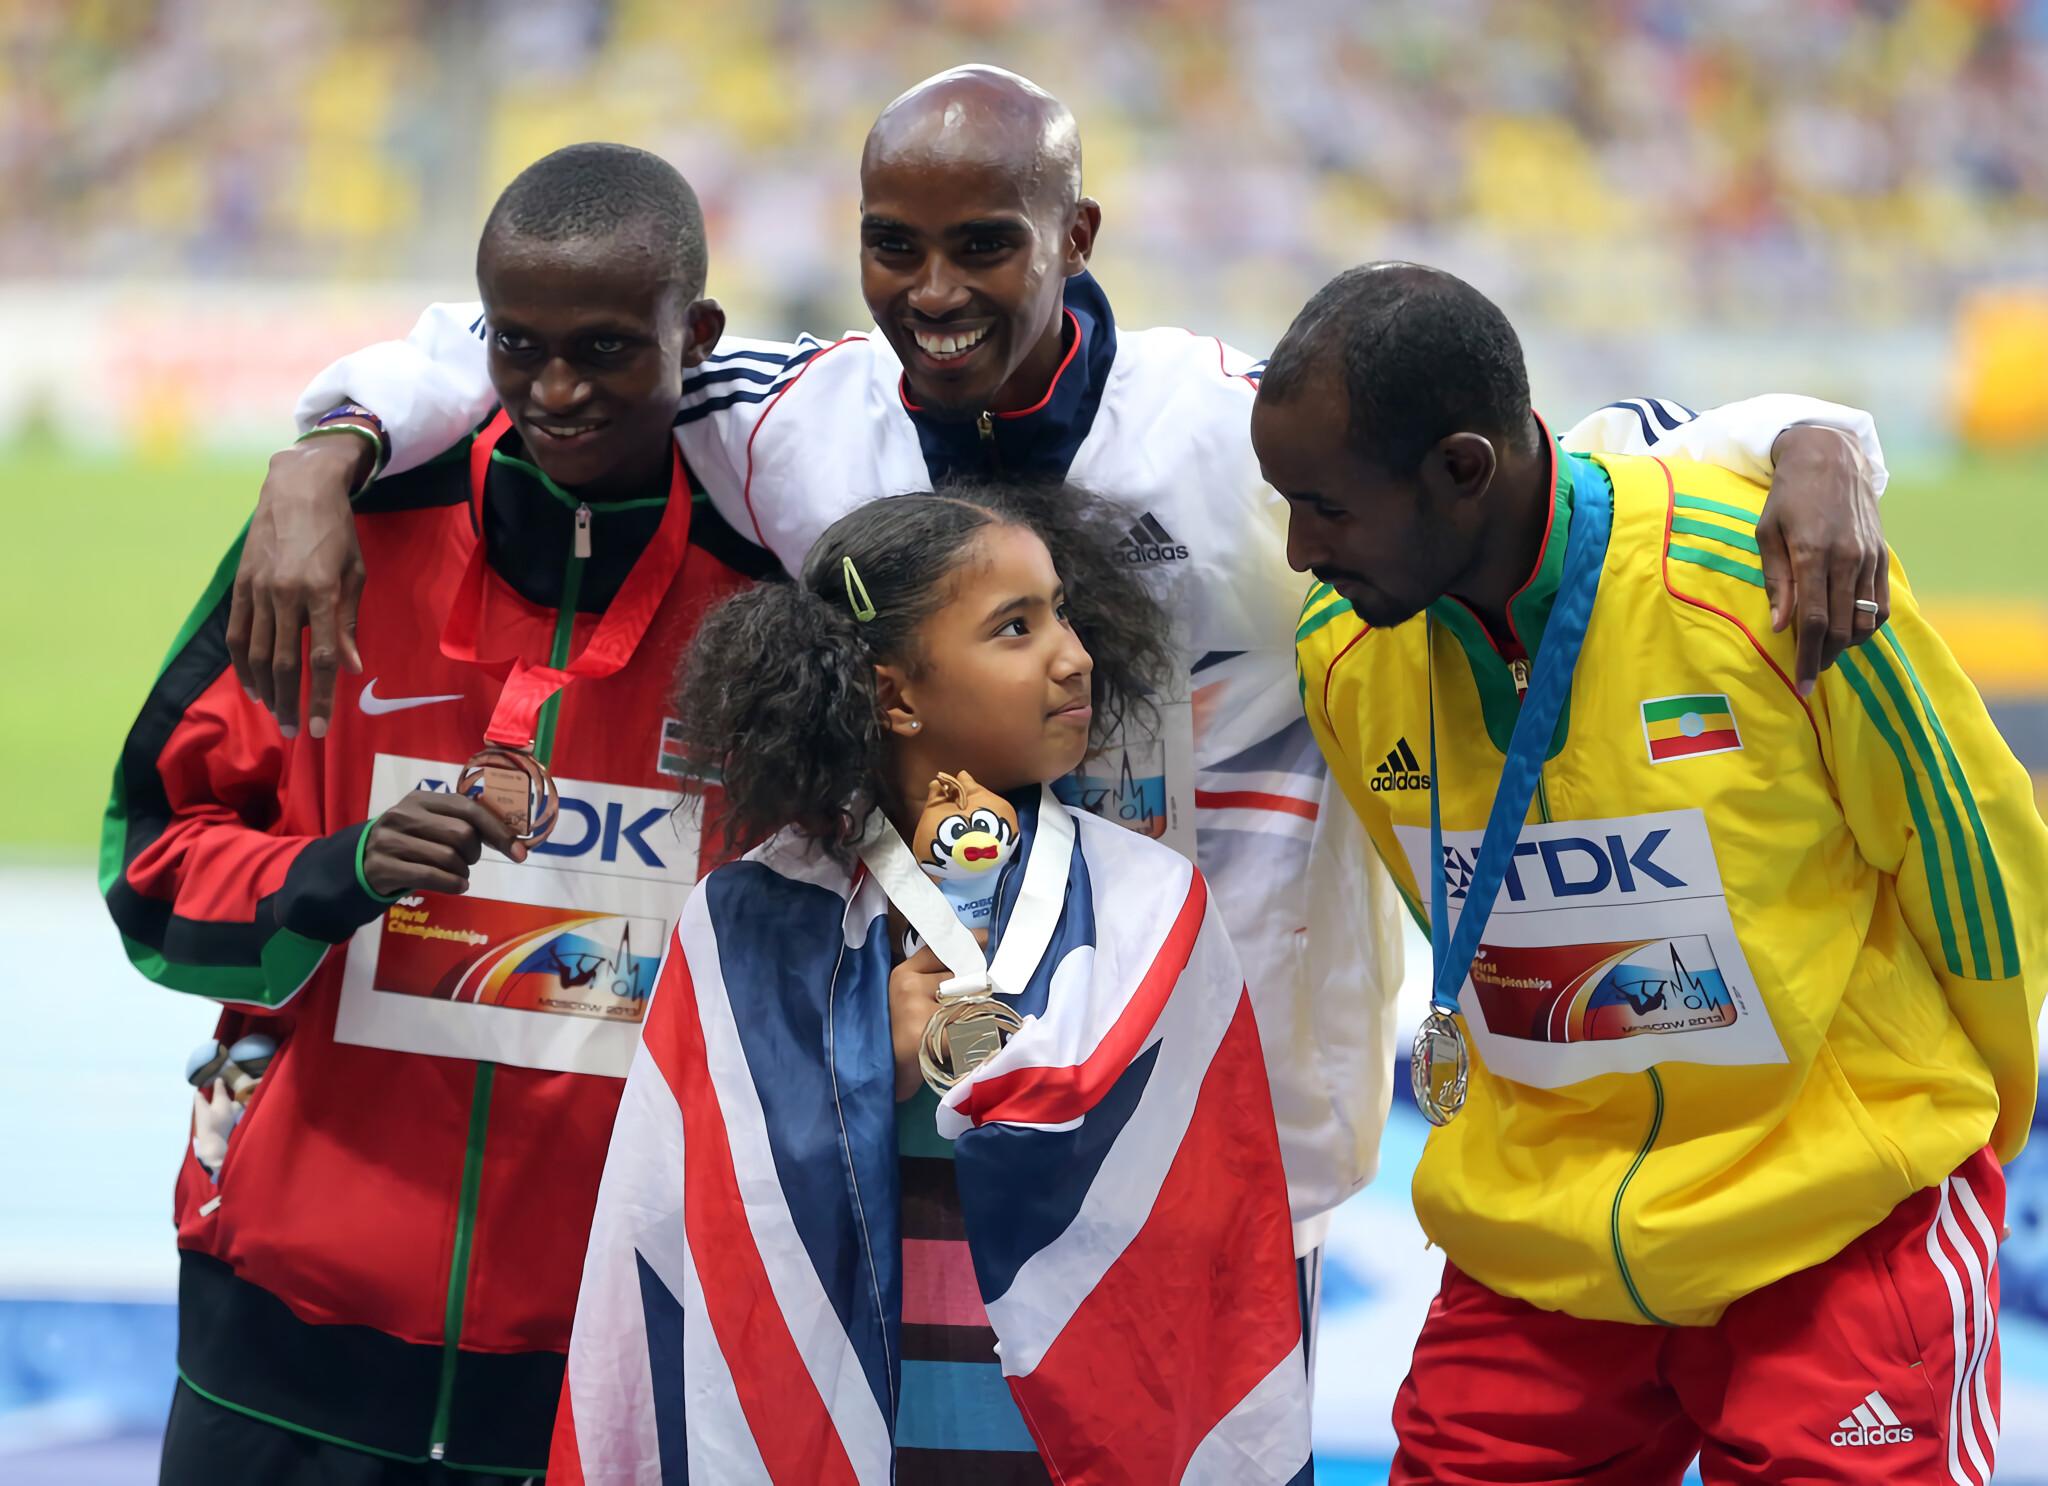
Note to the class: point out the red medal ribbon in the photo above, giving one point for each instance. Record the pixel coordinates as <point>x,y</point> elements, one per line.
<point>619,632</point>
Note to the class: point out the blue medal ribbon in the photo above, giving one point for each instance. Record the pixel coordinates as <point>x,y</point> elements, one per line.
<point>1585,551</point>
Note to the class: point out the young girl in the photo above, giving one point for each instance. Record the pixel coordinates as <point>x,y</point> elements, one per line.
<point>804,1266</point>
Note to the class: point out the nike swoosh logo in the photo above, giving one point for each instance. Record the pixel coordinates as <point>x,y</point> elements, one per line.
<point>377,706</point>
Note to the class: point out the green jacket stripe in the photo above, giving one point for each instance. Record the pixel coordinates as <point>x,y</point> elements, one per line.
<point>1740,540</point>
<point>1930,848</point>
<point>137,809</point>
<point>1323,605</point>
<point>1994,879</point>
<point>1951,818</point>
<point>1719,508</point>
<point>1717,562</point>
<point>264,958</point>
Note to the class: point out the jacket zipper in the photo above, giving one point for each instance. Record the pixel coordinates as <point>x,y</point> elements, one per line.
<point>458,1268</point>
<point>986,427</point>
<point>487,1072</point>
<point>1614,1216</point>
<point>1520,668</point>
<point>1521,672</point>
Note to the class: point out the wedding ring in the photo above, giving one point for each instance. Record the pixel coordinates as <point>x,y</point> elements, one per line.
<point>1868,606</point>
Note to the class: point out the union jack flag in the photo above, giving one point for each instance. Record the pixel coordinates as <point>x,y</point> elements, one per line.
<point>1118,1169</point>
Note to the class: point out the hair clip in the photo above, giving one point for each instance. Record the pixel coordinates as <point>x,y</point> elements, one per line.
<point>857,592</point>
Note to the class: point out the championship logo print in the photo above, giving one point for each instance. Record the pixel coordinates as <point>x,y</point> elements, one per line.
<point>1148,541</point>
<point>1134,800</point>
<point>1595,992</point>
<point>522,956</point>
<point>1399,771</point>
<point>1689,726</point>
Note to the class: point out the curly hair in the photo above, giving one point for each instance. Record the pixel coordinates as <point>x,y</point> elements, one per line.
<point>778,695</point>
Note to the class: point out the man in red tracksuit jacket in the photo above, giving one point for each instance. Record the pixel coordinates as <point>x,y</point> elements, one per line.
<point>378,1280</point>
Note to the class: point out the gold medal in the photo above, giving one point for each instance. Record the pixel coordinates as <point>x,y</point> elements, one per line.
<point>516,787</point>
<point>1439,1068</point>
<point>964,1033</point>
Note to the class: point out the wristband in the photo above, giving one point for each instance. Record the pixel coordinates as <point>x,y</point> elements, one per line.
<point>376,448</point>
<point>351,410</point>
<point>362,877</point>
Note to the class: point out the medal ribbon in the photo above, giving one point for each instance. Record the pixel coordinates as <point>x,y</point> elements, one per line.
<point>618,633</point>
<point>1585,551</point>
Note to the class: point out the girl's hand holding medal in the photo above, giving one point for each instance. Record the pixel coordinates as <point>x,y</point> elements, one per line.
<point>913,1001</point>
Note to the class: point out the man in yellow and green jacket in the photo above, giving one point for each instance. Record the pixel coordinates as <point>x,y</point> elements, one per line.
<point>1752,1016</point>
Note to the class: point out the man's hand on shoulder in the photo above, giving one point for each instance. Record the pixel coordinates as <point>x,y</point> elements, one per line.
<point>301,570</point>
<point>428,841</point>
<point>1822,545</point>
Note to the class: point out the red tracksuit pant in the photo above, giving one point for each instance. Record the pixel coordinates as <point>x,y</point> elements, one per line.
<point>1879,1365</point>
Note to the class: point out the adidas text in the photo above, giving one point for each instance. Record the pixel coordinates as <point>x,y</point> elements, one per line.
<point>1400,771</point>
<point>1872,1422</point>
<point>1883,1434</point>
<point>1148,541</point>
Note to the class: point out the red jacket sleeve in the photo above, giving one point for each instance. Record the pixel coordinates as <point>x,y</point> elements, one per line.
<point>210,893</point>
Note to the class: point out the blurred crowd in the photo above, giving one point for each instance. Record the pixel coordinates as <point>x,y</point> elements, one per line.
<point>1623,163</point>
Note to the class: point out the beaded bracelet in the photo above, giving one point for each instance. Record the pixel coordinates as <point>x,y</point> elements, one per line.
<point>328,422</point>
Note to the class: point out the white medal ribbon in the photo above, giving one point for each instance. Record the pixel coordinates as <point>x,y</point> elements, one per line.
<point>1031,924</point>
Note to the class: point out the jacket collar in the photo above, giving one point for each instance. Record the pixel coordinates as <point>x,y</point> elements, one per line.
<point>1528,612</point>
<point>529,531</point>
<point>1040,441</point>
<point>1529,609</point>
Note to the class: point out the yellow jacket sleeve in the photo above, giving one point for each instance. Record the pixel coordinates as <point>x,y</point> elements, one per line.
<point>1938,803</point>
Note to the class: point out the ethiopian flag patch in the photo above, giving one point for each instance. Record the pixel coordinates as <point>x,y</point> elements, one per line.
<point>1686,727</point>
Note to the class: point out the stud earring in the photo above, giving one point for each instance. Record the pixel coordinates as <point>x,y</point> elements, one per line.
<point>915,726</point>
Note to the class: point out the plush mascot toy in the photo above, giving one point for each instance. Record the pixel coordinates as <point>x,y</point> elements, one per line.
<point>963,839</point>
<point>223,1079</point>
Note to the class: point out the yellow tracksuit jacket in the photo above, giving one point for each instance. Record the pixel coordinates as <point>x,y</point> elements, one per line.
<point>1761,968</point>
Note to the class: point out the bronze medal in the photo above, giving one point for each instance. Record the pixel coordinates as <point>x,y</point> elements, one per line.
<point>964,1033</point>
<point>516,787</point>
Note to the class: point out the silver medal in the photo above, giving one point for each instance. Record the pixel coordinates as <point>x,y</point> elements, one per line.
<point>1439,1047</point>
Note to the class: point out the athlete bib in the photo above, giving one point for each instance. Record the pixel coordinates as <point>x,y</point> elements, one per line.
<point>1144,779</point>
<point>1609,950</point>
<point>542,964</point>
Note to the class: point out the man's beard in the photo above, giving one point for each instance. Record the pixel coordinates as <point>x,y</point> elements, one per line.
<point>1375,606</point>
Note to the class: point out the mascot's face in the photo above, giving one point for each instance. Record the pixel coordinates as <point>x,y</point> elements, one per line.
<point>966,831</point>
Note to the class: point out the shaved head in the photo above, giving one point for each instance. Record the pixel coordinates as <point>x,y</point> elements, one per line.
<point>984,116</point>
<point>972,221</point>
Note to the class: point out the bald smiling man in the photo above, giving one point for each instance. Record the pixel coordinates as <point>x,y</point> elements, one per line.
<point>994,349</point>
<point>993,153</point>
